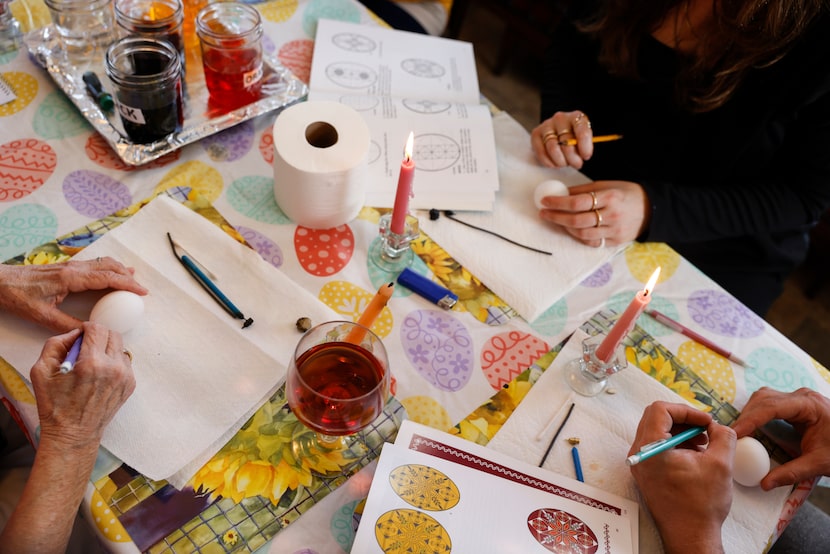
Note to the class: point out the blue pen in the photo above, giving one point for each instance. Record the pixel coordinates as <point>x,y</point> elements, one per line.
<point>577,464</point>
<point>197,273</point>
<point>72,356</point>
<point>430,290</point>
<point>656,447</point>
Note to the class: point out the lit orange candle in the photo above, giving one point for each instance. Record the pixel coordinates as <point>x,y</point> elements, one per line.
<point>626,321</point>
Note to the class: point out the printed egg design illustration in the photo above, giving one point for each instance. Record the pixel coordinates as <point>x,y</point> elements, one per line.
<point>201,178</point>
<point>561,532</point>
<point>719,312</point>
<point>231,144</point>
<point>266,145</point>
<point>324,252</point>
<point>351,301</point>
<point>25,226</point>
<point>296,56</point>
<point>398,531</point>
<point>253,197</point>
<point>94,194</point>
<point>712,368</point>
<point>26,164</point>
<point>57,118</point>
<point>508,354</point>
<point>424,487</point>
<point>427,411</point>
<point>440,348</point>
<point>106,521</point>
<point>24,86</point>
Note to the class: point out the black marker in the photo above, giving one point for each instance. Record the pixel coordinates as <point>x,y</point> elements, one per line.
<point>93,86</point>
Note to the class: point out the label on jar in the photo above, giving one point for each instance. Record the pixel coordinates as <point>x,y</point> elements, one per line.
<point>251,77</point>
<point>131,114</point>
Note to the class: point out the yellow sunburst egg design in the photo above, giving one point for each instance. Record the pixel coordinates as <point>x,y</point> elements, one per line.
<point>823,371</point>
<point>714,369</point>
<point>424,487</point>
<point>427,411</point>
<point>278,11</point>
<point>24,86</point>
<point>14,384</point>
<point>398,531</point>
<point>199,176</point>
<point>350,301</point>
<point>644,258</point>
<point>106,521</point>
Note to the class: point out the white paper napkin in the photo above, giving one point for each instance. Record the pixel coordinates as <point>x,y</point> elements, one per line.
<point>529,282</point>
<point>606,425</point>
<point>199,375</point>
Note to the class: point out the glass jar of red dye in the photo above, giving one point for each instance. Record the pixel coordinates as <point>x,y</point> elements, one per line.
<point>158,19</point>
<point>231,37</point>
<point>147,87</point>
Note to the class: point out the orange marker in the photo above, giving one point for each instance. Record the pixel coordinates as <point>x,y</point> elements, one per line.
<point>368,317</point>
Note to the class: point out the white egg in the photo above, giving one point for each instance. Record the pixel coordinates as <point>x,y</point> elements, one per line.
<point>548,188</point>
<point>751,462</point>
<point>119,310</point>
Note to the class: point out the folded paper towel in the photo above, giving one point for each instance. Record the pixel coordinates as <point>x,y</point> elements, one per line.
<point>544,279</point>
<point>199,375</point>
<point>606,425</point>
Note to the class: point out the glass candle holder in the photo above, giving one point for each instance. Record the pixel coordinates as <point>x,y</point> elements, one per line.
<point>588,375</point>
<point>392,252</point>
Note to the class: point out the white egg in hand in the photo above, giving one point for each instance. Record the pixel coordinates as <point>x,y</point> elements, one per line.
<point>548,188</point>
<point>751,462</point>
<point>118,311</point>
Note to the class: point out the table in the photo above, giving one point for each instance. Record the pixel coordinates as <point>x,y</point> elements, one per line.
<point>58,176</point>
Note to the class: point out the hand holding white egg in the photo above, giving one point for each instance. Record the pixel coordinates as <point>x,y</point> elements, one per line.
<point>550,187</point>
<point>751,462</point>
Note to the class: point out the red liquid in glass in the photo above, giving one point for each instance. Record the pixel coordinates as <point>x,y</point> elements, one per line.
<point>233,77</point>
<point>338,393</point>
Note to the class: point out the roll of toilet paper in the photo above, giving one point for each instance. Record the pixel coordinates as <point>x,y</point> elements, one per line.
<point>320,159</point>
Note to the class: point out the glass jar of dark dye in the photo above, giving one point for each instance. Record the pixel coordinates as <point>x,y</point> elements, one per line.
<point>147,87</point>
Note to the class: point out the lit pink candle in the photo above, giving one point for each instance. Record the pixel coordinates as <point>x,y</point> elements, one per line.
<point>404,189</point>
<point>626,321</point>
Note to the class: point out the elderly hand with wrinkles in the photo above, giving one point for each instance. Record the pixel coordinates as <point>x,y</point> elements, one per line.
<point>35,292</point>
<point>597,213</point>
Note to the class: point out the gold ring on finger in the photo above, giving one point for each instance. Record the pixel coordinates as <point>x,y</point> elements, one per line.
<point>599,217</point>
<point>128,354</point>
<point>594,200</point>
<point>548,136</point>
<point>565,132</point>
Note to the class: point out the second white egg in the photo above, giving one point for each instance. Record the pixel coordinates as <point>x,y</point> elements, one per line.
<point>551,187</point>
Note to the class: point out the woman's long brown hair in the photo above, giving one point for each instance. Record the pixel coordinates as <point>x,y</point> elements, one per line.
<point>743,34</point>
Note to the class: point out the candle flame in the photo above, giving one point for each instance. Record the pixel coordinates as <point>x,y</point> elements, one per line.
<point>407,151</point>
<point>652,281</point>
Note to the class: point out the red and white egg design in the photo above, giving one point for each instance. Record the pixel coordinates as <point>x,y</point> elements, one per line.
<point>508,354</point>
<point>24,166</point>
<point>324,252</point>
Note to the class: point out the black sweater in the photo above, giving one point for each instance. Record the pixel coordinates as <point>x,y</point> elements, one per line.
<point>734,190</point>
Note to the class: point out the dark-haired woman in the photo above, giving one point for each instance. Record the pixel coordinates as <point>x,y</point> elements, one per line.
<point>724,108</point>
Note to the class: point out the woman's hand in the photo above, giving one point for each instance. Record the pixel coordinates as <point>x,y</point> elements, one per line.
<point>600,213</point>
<point>689,486</point>
<point>550,140</point>
<point>809,413</point>
<point>35,292</point>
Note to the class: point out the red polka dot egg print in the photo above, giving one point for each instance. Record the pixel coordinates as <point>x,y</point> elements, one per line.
<point>561,532</point>
<point>324,252</point>
<point>24,166</point>
<point>508,354</point>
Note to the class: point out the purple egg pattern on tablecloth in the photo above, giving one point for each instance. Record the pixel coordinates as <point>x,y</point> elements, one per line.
<point>253,197</point>
<point>57,118</point>
<point>343,527</point>
<point>268,249</point>
<point>721,313</point>
<point>95,195</point>
<point>25,226</point>
<point>777,369</point>
<point>439,347</point>
<point>231,144</point>
<point>600,277</point>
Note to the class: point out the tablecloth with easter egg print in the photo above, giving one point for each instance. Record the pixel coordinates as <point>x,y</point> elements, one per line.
<point>57,174</point>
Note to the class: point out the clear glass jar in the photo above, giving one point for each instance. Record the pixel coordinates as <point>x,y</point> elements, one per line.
<point>85,27</point>
<point>147,87</point>
<point>230,34</point>
<point>159,19</point>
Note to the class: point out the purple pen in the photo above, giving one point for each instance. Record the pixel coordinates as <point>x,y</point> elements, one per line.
<point>72,355</point>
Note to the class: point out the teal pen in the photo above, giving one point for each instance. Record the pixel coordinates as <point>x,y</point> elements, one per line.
<point>577,464</point>
<point>656,447</point>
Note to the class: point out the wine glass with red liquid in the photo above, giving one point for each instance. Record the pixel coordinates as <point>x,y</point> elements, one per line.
<point>337,382</point>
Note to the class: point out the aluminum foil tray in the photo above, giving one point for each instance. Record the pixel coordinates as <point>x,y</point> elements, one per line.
<point>280,89</point>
